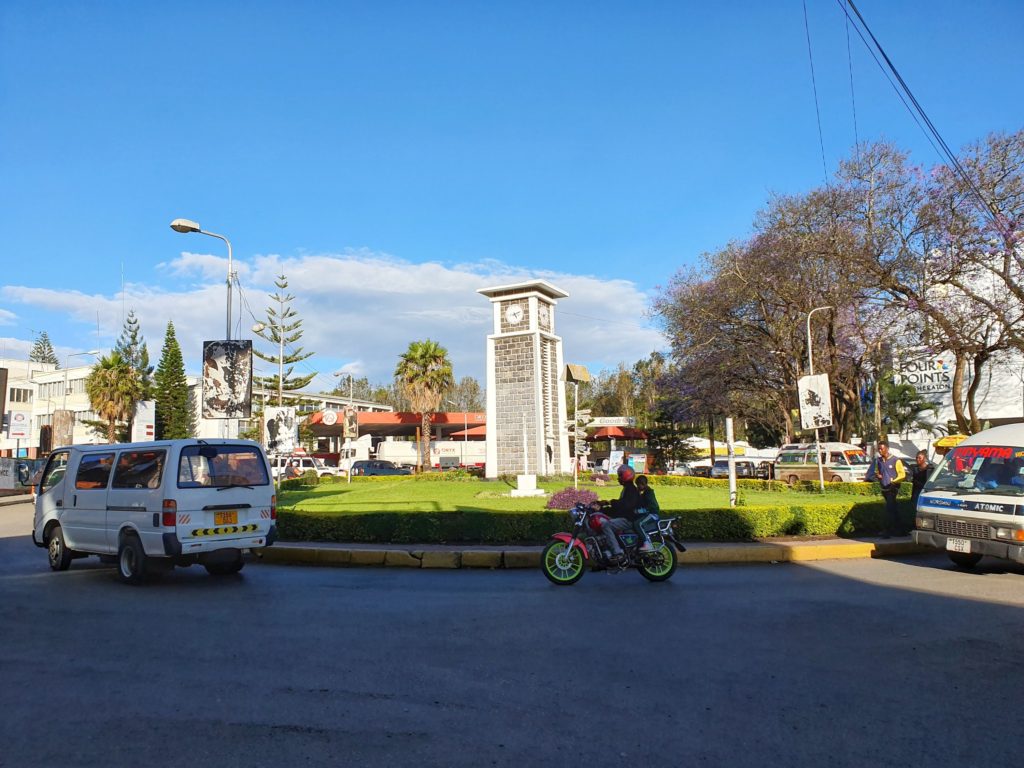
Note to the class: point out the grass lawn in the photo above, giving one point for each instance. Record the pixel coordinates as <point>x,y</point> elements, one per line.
<point>407,495</point>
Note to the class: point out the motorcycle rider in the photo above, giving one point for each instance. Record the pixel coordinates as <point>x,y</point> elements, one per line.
<point>621,511</point>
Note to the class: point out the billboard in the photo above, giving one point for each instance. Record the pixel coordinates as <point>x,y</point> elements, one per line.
<point>19,425</point>
<point>281,429</point>
<point>227,379</point>
<point>815,401</point>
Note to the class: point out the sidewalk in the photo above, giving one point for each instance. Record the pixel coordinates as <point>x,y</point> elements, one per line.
<point>511,556</point>
<point>481,556</point>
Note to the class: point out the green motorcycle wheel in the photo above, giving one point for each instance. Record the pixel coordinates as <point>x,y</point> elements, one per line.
<point>561,566</point>
<point>660,564</point>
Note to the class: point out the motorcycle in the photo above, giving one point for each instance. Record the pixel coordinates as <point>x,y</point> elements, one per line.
<point>566,556</point>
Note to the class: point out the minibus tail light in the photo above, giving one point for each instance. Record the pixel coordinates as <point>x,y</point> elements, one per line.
<point>273,507</point>
<point>170,514</point>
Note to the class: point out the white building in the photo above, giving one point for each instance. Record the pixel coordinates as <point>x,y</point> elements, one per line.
<point>37,391</point>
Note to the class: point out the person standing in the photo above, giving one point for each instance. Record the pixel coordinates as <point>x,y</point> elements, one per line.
<point>888,470</point>
<point>919,476</point>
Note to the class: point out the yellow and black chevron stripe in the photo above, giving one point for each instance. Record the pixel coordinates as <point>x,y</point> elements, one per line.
<point>225,529</point>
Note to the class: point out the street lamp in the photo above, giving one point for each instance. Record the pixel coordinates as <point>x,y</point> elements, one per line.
<point>810,371</point>
<point>258,328</point>
<point>352,409</point>
<point>185,226</point>
<point>64,403</point>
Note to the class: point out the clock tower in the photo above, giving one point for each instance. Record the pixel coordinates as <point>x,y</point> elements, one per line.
<point>525,400</point>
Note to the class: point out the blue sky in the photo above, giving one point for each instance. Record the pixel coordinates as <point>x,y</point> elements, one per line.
<point>393,157</point>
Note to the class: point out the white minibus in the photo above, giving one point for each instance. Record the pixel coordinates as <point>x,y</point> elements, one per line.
<point>151,506</point>
<point>973,504</point>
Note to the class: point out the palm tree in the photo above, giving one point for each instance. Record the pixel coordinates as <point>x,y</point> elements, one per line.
<point>424,375</point>
<point>114,388</point>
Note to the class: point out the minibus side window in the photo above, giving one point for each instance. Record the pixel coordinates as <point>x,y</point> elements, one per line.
<point>139,469</point>
<point>94,471</point>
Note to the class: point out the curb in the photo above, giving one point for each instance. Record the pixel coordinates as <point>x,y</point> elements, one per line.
<point>8,501</point>
<point>696,554</point>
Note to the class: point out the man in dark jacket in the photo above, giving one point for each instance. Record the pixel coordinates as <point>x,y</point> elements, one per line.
<point>622,510</point>
<point>889,472</point>
<point>919,476</point>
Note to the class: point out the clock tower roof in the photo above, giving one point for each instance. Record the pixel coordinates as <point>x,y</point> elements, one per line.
<point>541,287</point>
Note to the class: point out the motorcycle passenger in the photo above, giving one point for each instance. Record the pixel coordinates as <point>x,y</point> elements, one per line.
<point>621,511</point>
<point>647,510</point>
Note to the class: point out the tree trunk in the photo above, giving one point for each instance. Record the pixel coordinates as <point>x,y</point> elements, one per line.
<point>979,364</point>
<point>711,438</point>
<point>958,395</point>
<point>878,408</point>
<point>426,440</point>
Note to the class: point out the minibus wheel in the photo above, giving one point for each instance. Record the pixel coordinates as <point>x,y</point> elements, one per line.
<point>835,479</point>
<point>131,560</point>
<point>57,550</point>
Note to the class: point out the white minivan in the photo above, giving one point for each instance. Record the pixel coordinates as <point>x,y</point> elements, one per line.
<point>973,504</point>
<point>152,506</point>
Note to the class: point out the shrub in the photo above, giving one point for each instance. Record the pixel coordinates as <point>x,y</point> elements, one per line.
<point>714,524</point>
<point>567,498</point>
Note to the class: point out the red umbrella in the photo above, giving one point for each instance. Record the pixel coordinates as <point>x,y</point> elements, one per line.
<point>617,433</point>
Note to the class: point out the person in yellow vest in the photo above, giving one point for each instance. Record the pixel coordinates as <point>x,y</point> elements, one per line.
<point>889,471</point>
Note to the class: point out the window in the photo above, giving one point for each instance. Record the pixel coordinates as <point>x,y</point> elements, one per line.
<point>139,469</point>
<point>56,467</point>
<point>20,395</point>
<point>94,471</point>
<point>221,465</point>
<point>791,458</point>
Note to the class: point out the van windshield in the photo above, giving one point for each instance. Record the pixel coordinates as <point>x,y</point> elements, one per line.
<point>993,469</point>
<point>856,458</point>
<point>219,466</point>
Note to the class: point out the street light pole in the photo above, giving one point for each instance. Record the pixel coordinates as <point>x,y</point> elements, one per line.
<point>185,226</point>
<point>64,403</point>
<point>810,370</point>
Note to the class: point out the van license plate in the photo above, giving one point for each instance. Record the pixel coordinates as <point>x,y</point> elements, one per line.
<point>959,545</point>
<point>225,518</point>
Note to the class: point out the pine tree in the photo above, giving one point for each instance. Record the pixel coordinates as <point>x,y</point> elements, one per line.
<point>42,351</point>
<point>282,329</point>
<point>132,348</point>
<point>174,417</point>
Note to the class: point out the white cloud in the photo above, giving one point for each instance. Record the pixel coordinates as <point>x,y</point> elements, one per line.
<point>7,317</point>
<point>359,311</point>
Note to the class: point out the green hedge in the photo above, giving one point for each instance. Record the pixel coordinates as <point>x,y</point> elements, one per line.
<point>803,486</point>
<point>730,524</point>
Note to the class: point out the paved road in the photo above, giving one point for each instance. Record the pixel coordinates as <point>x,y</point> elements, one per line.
<point>840,663</point>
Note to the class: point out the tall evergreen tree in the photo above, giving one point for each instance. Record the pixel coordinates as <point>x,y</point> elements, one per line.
<point>42,351</point>
<point>282,329</point>
<point>132,347</point>
<point>174,417</point>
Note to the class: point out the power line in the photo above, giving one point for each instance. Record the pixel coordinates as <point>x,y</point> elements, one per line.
<point>931,132</point>
<point>814,86</point>
<point>853,97</point>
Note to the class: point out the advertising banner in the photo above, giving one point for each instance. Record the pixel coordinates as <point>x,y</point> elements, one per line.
<point>227,379</point>
<point>281,429</point>
<point>815,401</point>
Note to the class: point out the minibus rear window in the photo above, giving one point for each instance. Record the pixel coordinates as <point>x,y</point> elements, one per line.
<point>219,466</point>
<point>993,469</point>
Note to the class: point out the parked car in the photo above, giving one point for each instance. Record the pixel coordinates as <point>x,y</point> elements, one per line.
<point>701,470</point>
<point>303,464</point>
<point>378,467</point>
<point>744,468</point>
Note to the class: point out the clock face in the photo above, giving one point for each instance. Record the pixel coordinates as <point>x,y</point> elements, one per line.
<point>514,314</point>
<point>544,313</point>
